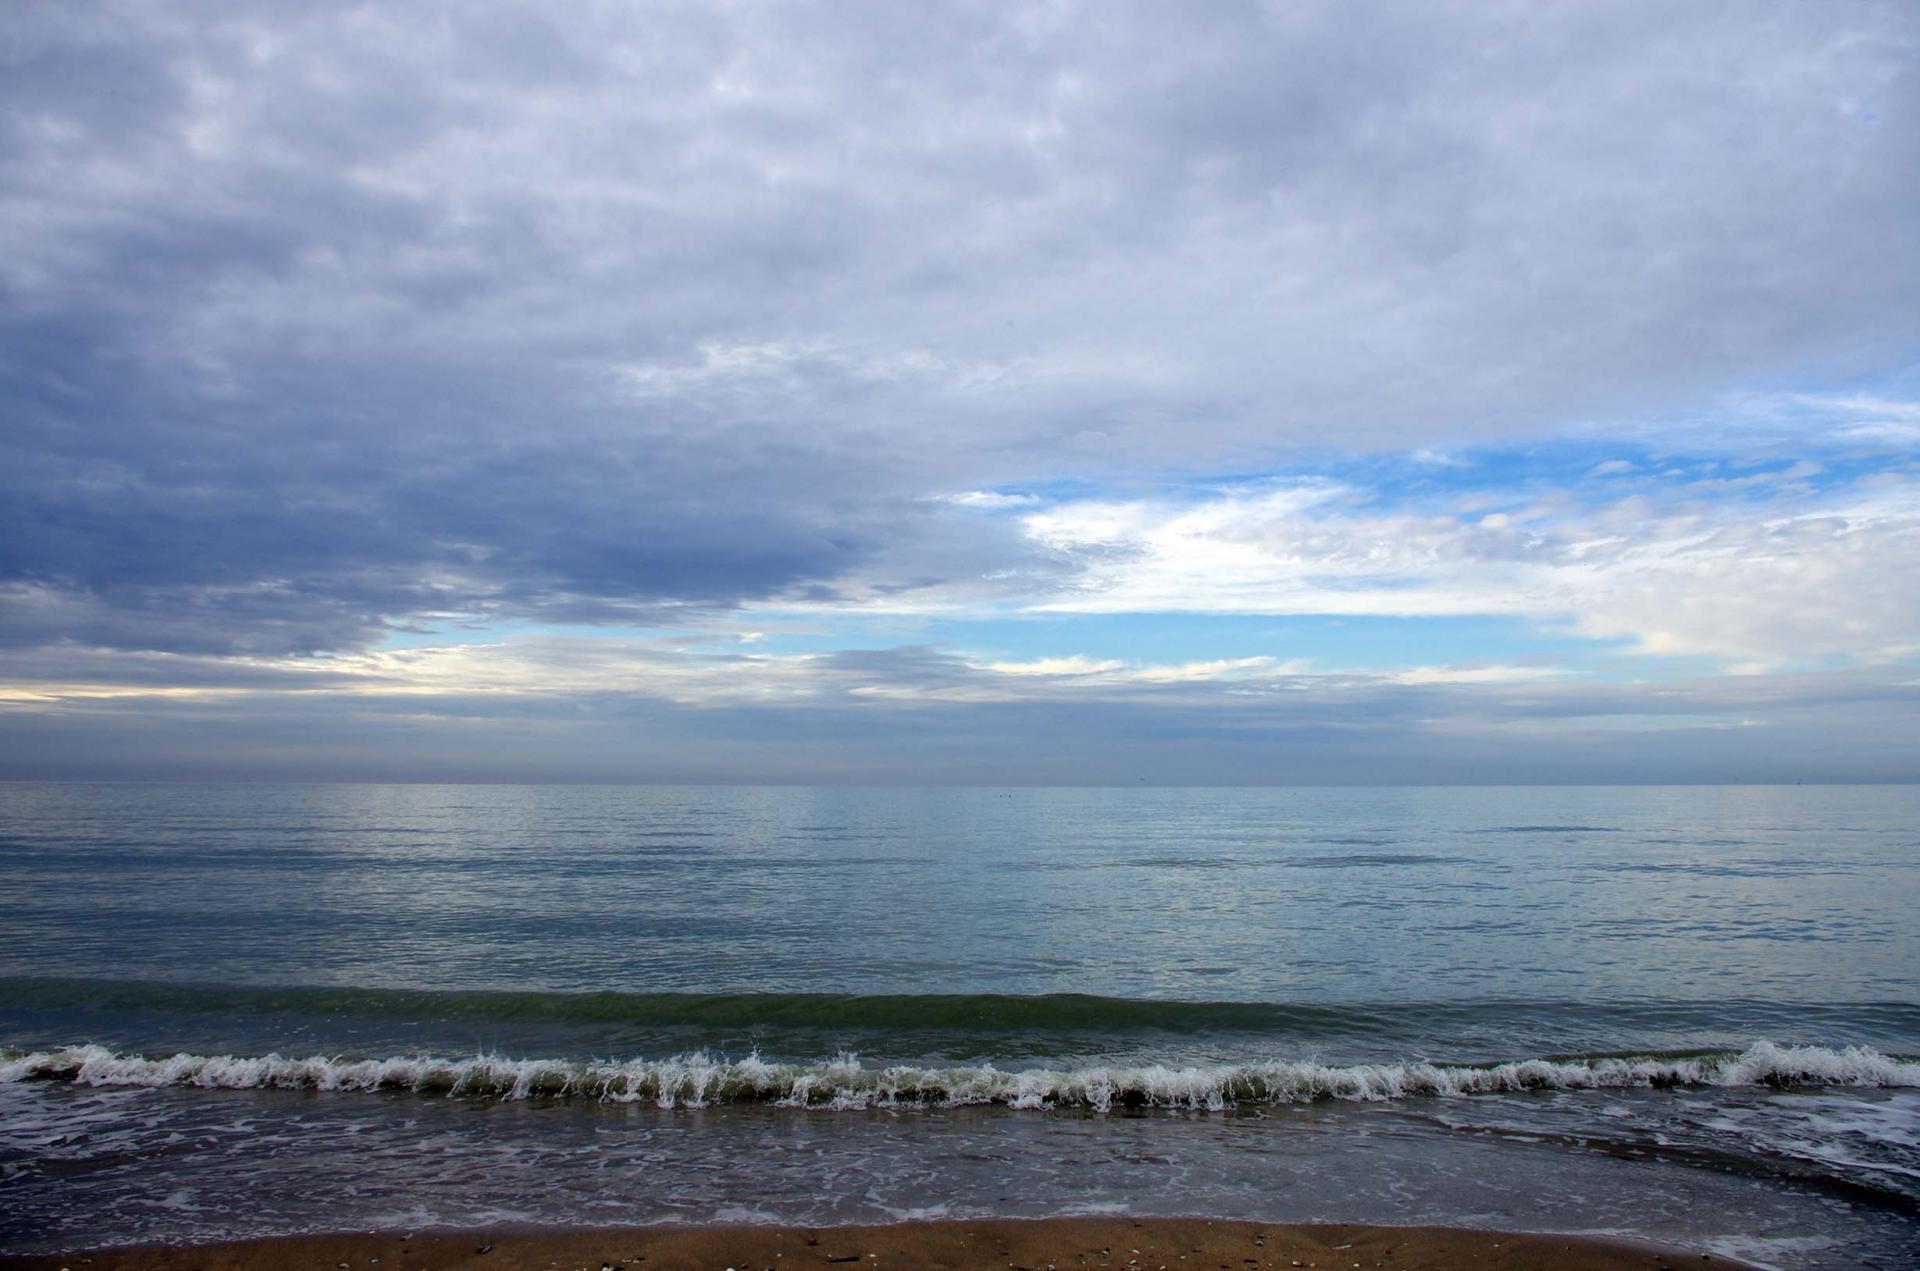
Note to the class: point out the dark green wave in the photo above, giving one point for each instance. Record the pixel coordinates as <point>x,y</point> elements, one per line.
<point>968,1013</point>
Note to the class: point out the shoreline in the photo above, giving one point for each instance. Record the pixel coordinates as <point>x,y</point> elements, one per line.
<point>999,1244</point>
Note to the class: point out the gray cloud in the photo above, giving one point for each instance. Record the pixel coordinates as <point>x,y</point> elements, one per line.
<point>947,720</point>
<point>317,319</point>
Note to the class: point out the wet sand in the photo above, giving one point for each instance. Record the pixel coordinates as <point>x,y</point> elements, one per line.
<point>1066,1244</point>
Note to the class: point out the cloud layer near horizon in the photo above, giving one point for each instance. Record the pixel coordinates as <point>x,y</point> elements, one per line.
<point>332,333</point>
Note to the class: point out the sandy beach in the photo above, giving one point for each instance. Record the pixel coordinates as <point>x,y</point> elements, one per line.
<point>1022,1245</point>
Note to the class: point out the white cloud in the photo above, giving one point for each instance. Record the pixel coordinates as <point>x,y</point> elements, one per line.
<point>579,667</point>
<point>990,501</point>
<point>1066,666</point>
<point>1882,432</point>
<point>1113,672</point>
<point>1863,408</point>
<point>1478,674</point>
<point>1800,575</point>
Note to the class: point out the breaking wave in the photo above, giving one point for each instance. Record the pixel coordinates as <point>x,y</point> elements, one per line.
<point>702,1079</point>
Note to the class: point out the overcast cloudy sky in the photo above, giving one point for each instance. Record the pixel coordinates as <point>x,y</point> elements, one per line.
<point>1286,392</point>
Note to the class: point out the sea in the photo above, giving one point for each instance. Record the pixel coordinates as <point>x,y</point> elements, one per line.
<point>1688,1014</point>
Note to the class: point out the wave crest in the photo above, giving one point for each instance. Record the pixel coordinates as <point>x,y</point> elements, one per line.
<point>701,1079</point>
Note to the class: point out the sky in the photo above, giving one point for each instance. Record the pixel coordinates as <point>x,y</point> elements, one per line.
<point>1286,393</point>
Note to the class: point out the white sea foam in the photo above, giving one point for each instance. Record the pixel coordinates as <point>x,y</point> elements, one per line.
<point>700,1078</point>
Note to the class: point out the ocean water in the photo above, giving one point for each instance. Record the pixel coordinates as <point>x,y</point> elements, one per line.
<point>1690,1014</point>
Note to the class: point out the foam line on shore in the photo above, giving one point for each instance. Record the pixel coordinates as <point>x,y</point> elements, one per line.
<point>701,1079</point>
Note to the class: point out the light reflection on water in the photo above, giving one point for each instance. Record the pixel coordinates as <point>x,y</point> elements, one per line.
<point>1293,895</point>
